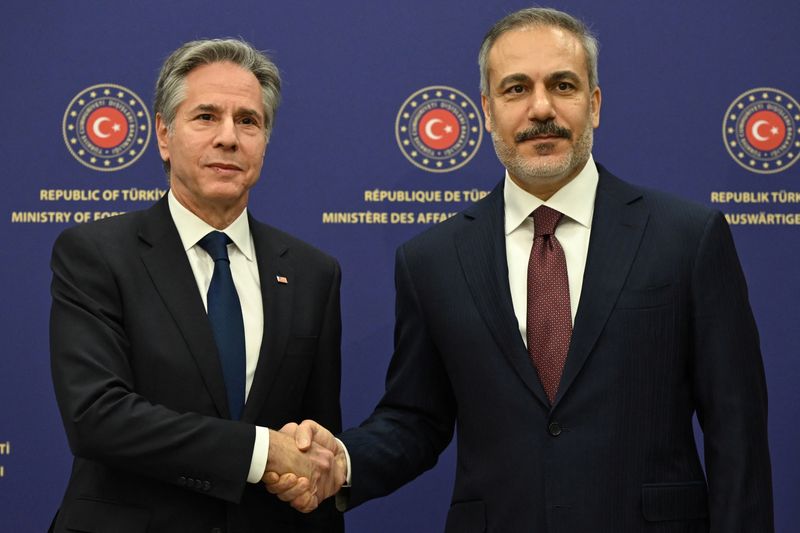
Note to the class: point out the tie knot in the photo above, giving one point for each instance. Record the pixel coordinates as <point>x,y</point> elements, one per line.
<point>216,244</point>
<point>545,221</point>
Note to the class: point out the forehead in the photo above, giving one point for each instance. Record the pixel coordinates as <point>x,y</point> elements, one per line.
<point>536,51</point>
<point>222,84</point>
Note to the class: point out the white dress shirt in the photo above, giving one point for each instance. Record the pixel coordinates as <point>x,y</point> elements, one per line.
<point>575,201</point>
<point>244,269</point>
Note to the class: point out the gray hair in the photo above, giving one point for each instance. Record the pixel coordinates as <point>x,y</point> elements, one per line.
<point>171,87</point>
<point>540,16</point>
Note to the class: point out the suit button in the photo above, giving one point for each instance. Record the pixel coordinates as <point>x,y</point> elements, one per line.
<point>216,530</point>
<point>182,481</point>
<point>206,486</point>
<point>554,429</point>
<point>198,484</point>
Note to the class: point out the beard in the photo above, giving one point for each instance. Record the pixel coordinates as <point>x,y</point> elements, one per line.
<point>533,170</point>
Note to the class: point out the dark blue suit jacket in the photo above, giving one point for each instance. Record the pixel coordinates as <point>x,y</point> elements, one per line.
<point>140,387</point>
<point>663,331</point>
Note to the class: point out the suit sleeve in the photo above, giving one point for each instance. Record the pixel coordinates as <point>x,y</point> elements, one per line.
<point>414,421</point>
<point>105,417</point>
<point>730,387</point>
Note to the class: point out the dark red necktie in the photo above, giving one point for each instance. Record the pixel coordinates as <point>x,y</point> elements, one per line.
<point>549,323</point>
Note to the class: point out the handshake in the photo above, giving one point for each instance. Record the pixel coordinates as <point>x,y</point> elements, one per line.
<point>305,465</point>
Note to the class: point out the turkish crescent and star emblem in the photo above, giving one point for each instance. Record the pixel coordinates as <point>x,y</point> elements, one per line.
<point>106,127</point>
<point>438,129</point>
<point>761,130</point>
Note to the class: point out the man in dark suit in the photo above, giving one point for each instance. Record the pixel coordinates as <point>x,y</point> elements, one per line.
<point>180,334</point>
<point>570,325</point>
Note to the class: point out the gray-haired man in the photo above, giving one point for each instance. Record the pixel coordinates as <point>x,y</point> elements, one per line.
<point>181,334</point>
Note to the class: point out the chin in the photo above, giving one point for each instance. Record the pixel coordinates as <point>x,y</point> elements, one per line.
<point>551,166</point>
<point>225,192</point>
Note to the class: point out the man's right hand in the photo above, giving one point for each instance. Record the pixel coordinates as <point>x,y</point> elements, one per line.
<point>330,463</point>
<point>302,468</point>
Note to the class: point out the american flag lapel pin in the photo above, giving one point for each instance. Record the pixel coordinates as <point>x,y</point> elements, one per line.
<point>281,279</point>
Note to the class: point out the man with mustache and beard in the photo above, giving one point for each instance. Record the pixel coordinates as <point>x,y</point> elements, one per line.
<point>570,324</point>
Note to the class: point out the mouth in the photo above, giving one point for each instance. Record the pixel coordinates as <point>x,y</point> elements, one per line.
<point>543,138</point>
<point>224,167</point>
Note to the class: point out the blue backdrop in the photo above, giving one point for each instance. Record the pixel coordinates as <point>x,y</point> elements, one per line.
<point>669,72</point>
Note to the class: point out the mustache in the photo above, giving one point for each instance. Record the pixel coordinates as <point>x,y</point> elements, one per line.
<point>549,129</point>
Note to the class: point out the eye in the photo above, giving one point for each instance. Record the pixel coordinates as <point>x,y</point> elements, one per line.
<point>516,89</point>
<point>249,121</point>
<point>205,116</point>
<point>564,86</point>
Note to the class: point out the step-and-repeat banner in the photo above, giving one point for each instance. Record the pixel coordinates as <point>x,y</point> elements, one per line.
<point>380,136</point>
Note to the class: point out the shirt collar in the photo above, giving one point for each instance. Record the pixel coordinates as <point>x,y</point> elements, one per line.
<point>575,199</point>
<point>192,228</point>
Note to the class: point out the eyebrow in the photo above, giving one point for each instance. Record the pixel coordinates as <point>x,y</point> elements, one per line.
<point>514,78</point>
<point>213,108</point>
<point>519,77</point>
<point>564,75</point>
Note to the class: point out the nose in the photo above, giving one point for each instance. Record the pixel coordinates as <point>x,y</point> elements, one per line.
<point>226,135</point>
<point>541,105</point>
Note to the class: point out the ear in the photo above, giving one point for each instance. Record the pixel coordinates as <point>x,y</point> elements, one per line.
<point>161,134</point>
<point>487,115</point>
<point>595,99</point>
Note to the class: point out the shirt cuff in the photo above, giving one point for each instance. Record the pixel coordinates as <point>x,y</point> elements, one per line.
<point>258,462</point>
<point>347,457</point>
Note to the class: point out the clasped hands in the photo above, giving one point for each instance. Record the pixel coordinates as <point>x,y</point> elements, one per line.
<point>306,465</point>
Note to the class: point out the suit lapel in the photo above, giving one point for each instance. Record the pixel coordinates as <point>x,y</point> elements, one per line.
<point>166,263</point>
<point>617,227</point>
<point>482,254</point>
<point>277,298</point>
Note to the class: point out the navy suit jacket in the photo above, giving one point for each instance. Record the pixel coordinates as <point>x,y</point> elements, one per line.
<point>663,331</point>
<point>140,388</point>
